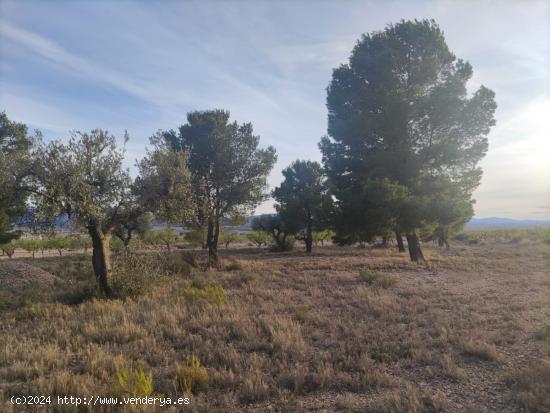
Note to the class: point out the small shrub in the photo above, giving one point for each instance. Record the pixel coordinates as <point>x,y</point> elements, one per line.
<point>191,376</point>
<point>196,238</point>
<point>136,383</point>
<point>133,274</point>
<point>190,258</point>
<point>376,279</point>
<point>212,294</point>
<point>233,265</point>
<point>301,314</point>
<point>174,264</point>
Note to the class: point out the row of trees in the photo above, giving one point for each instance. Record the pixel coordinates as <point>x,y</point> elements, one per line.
<point>166,238</point>
<point>402,153</point>
<point>209,170</point>
<point>401,157</point>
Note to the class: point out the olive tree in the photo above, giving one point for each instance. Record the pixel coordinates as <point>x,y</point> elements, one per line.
<point>85,179</point>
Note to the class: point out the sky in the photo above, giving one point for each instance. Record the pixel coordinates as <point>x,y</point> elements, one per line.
<point>141,66</point>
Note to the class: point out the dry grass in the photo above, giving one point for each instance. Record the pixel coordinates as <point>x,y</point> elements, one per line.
<point>290,332</point>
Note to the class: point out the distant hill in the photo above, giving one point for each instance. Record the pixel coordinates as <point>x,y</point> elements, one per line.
<point>503,223</point>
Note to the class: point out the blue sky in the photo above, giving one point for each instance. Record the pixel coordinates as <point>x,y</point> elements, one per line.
<point>142,66</point>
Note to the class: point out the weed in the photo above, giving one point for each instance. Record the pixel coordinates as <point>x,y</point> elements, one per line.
<point>136,383</point>
<point>191,376</point>
<point>301,314</point>
<point>212,294</point>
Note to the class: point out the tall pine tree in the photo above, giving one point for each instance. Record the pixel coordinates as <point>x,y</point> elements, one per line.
<point>400,115</point>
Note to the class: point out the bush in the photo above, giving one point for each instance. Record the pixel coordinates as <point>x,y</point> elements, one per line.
<point>212,294</point>
<point>8,249</point>
<point>135,383</point>
<point>133,274</point>
<point>228,238</point>
<point>116,244</point>
<point>301,314</point>
<point>165,237</point>
<point>322,236</point>
<point>259,238</point>
<point>196,238</point>
<point>191,376</point>
<point>284,245</point>
<point>233,265</point>
<point>376,279</point>
<point>175,263</point>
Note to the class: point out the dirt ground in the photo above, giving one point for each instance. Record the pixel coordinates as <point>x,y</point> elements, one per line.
<point>345,329</point>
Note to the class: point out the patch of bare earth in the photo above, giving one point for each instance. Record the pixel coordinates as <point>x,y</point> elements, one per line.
<point>17,274</point>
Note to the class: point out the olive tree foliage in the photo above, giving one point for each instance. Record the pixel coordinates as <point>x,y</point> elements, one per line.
<point>85,179</point>
<point>229,171</point>
<point>303,201</point>
<point>400,115</point>
<point>15,144</point>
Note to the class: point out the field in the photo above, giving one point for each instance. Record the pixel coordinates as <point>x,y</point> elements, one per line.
<point>346,329</point>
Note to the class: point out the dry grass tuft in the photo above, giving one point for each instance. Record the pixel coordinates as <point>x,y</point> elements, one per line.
<point>480,350</point>
<point>531,387</point>
<point>376,279</point>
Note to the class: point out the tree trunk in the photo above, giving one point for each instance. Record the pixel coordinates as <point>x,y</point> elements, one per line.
<point>415,252</point>
<point>126,240</point>
<point>101,258</point>
<point>212,241</point>
<point>384,242</point>
<point>399,239</point>
<point>309,238</point>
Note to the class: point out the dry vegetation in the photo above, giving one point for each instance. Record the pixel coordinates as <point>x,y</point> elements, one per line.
<point>347,329</point>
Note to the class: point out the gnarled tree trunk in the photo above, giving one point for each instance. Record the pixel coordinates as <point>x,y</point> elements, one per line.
<point>399,239</point>
<point>415,252</point>
<point>101,258</point>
